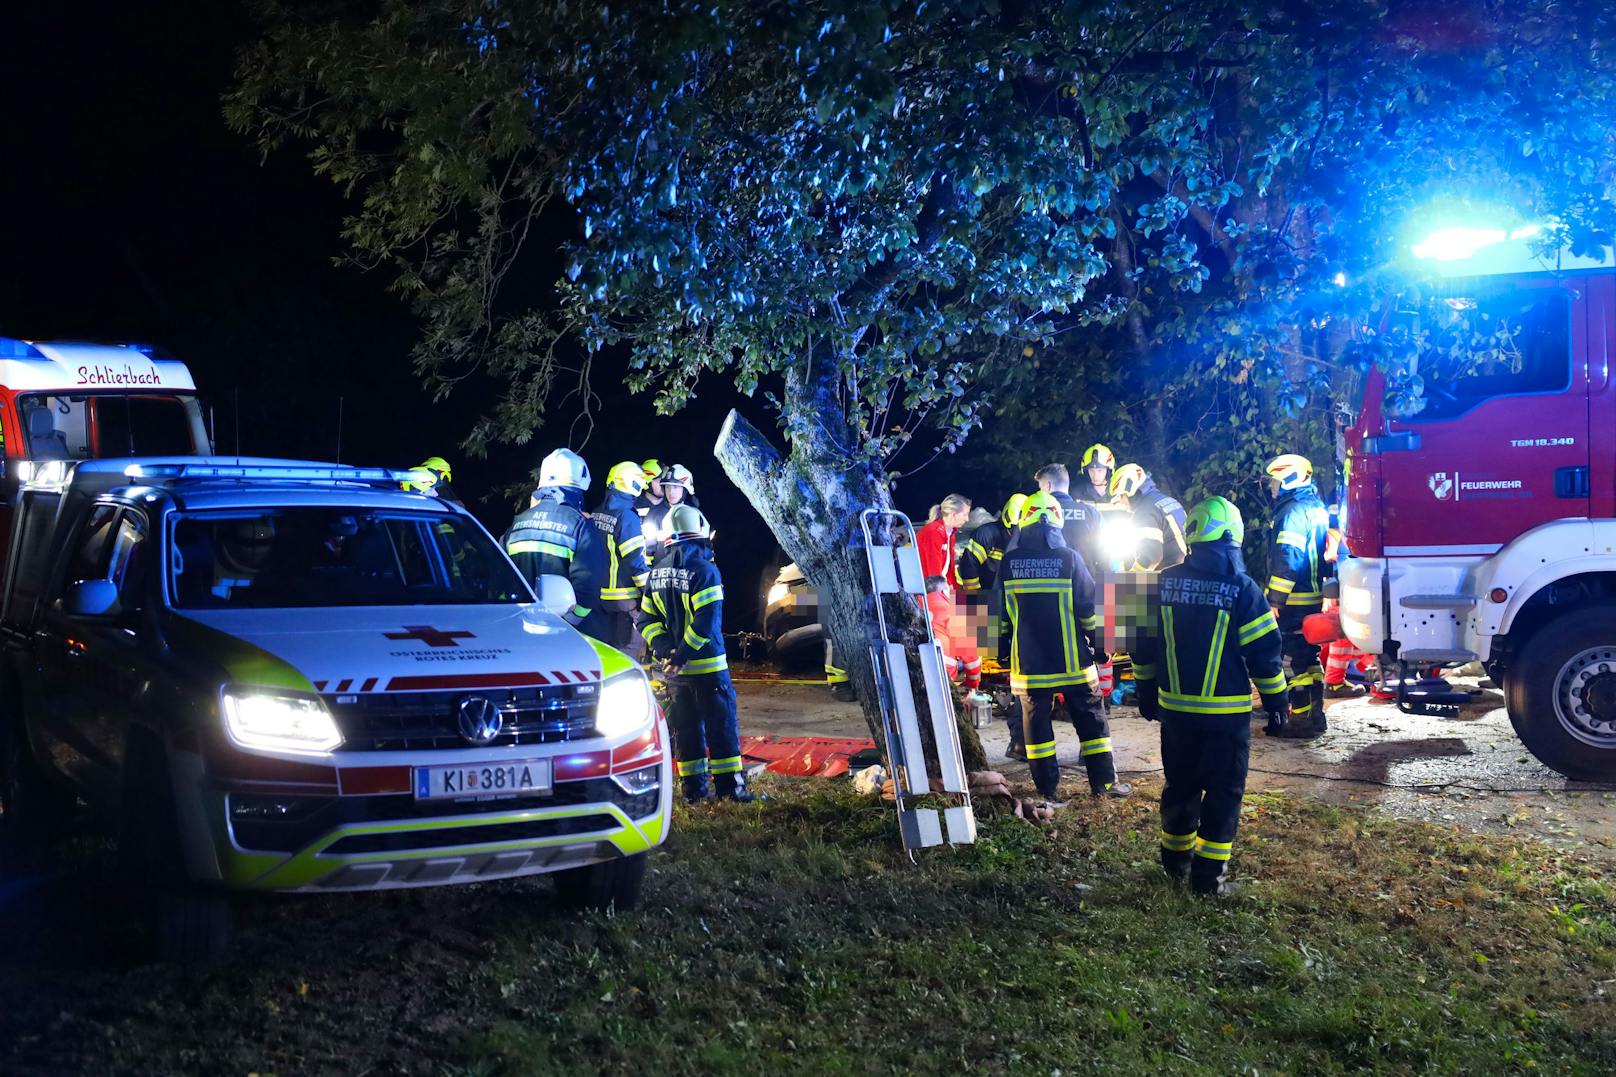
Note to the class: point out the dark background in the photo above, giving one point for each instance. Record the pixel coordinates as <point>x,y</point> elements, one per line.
<point>130,212</point>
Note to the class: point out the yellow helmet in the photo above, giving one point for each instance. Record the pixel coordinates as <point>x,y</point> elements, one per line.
<point>1290,471</point>
<point>651,469</point>
<point>428,473</point>
<point>1127,479</point>
<point>1098,455</point>
<point>1213,519</point>
<point>1040,507</point>
<point>1012,510</point>
<point>627,477</point>
<point>438,465</point>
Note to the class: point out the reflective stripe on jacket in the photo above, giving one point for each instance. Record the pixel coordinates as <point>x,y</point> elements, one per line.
<point>978,566</point>
<point>1208,636</point>
<point>683,610</point>
<point>619,526</point>
<point>1048,612</point>
<point>1296,564</point>
<point>557,538</point>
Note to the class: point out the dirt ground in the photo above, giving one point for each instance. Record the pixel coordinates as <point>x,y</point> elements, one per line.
<point>1468,771</point>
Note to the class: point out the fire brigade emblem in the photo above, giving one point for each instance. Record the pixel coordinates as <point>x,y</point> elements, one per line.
<point>1441,485</point>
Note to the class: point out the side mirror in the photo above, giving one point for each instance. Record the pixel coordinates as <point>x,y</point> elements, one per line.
<point>556,595</point>
<point>91,598</point>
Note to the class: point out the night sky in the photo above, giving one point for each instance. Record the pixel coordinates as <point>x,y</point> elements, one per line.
<point>132,213</point>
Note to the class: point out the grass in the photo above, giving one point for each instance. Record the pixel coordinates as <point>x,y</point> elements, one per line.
<point>793,936</point>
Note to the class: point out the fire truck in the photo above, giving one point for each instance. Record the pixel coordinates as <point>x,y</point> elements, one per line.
<point>1483,527</point>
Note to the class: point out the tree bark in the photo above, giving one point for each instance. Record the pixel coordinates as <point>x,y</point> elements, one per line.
<point>811,501</point>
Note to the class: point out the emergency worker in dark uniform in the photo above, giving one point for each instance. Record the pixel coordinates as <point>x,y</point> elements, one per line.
<point>978,566</point>
<point>1208,636</point>
<point>1298,570</point>
<point>555,537</point>
<point>1158,519</point>
<point>1098,465</point>
<point>683,625</point>
<point>619,527</point>
<point>1045,637</point>
<point>1080,520</point>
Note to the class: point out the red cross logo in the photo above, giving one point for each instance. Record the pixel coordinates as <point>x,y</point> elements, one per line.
<point>432,637</point>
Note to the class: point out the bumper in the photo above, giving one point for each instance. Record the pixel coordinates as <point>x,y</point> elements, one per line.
<point>264,835</point>
<point>1422,604</point>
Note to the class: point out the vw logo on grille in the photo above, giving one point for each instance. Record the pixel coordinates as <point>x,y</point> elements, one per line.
<point>479,719</point>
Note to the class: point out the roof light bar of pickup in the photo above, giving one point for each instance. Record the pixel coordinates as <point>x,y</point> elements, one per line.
<point>303,472</point>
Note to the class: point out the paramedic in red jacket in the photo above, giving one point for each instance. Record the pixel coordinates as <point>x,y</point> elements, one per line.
<point>936,538</point>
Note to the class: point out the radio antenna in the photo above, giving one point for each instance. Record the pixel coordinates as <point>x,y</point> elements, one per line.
<point>339,428</point>
<point>236,395</point>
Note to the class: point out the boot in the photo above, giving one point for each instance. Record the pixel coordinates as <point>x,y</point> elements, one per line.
<point>695,788</point>
<point>1176,865</point>
<point>1307,713</point>
<point>1344,689</point>
<point>1016,749</point>
<point>1208,877</point>
<point>733,787</point>
<point>1113,790</point>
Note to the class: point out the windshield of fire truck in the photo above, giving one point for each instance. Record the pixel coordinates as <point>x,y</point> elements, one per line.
<point>302,557</point>
<point>83,426</point>
<point>1477,344</point>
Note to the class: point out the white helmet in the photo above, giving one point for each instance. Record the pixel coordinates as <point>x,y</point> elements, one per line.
<point>679,475</point>
<point>564,468</point>
<point>686,522</point>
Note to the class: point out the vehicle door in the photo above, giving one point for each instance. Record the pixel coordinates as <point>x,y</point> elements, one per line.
<point>1500,448</point>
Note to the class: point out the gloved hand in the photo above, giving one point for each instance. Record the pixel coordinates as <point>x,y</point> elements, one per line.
<point>1101,655</point>
<point>1149,709</point>
<point>1276,723</point>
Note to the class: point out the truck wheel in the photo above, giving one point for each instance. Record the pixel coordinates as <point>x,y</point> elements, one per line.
<point>611,883</point>
<point>188,924</point>
<point>1561,694</point>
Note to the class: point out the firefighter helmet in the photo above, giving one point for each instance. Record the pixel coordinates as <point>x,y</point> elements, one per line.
<point>1127,479</point>
<point>1098,455</point>
<point>564,468</point>
<point>627,477</point>
<point>686,523</point>
<point>1290,471</point>
<point>427,474</point>
<point>244,545</point>
<point>1213,519</point>
<point>1011,516</point>
<point>1040,508</point>
<point>679,475</point>
<point>651,469</point>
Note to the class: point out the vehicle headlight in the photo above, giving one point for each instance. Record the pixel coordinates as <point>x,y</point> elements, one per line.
<point>277,722</point>
<point>625,705</point>
<point>1119,541</point>
<point>778,592</point>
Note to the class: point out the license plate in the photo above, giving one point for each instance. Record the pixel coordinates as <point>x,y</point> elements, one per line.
<point>521,777</point>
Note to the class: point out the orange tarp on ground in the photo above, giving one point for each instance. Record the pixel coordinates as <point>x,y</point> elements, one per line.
<point>819,757</point>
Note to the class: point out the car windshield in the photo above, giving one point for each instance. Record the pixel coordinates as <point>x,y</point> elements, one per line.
<point>82,426</point>
<point>308,557</point>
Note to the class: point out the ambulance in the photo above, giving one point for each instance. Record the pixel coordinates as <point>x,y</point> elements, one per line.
<point>1483,527</point>
<point>291,676</point>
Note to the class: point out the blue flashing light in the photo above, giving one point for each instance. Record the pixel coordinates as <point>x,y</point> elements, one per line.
<point>1457,244</point>
<point>12,348</point>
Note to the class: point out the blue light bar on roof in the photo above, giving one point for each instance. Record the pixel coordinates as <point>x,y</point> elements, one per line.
<point>302,472</point>
<point>12,348</point>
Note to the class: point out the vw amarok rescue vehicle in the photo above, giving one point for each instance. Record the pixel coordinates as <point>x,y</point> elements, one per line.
<point>283,676</point>
<point>1484,527</point>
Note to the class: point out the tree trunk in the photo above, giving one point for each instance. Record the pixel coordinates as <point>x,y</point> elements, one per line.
<point>811,500</point>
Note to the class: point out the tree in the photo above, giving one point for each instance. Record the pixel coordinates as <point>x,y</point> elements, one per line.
<point>891,218</point>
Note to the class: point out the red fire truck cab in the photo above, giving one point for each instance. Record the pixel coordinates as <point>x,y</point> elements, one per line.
<point>1484,526</point>
<point>66,400</point>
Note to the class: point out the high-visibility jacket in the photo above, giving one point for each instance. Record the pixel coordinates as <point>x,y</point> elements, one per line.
<point>934,541</point>
<point>978,566</point>
<point>1048,612</point>
<point>1158,521</point>
<point>619,526</point>
<point>1208,636</point>
<point>557,538</point>
<point>683,608</point>
<point>1296,563</point>
<point>1081,529</point>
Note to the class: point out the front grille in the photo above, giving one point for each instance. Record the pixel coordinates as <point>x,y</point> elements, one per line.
<point>471,835</point>
<point>286,824</point>
<point>419,721</point>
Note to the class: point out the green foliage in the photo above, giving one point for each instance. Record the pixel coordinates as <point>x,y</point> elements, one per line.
<point>1111,218</point>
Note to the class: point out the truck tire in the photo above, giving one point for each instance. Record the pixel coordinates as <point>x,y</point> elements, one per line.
<point>603,886</point>
<point>1561,694</point>
<point>188,924</point>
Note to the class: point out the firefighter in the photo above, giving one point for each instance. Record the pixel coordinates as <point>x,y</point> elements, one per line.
<point>683,625</point>
<point>651,496</point>
<point>979,564</point>
<point>1158,519</point>
<point>1297,573</point>
<point>1209,636</point>
<point>625,553</point>
<point>432,476</point>
<point>677,487</point>
<point>836,675</point>
<point>555,537</point>
<point>1098,464</point>
<point>1046,636</point>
